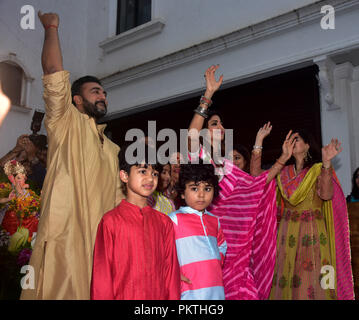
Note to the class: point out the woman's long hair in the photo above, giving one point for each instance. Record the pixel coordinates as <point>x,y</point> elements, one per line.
<point>211,113</point>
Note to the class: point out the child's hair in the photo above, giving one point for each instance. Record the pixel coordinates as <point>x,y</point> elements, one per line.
<point>197,173</point>
<point>141,159</point>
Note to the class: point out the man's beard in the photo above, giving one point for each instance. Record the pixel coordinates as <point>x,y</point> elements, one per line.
<point>92,110</point>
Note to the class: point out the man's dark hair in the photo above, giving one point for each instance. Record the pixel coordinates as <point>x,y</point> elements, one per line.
<point>197,173</point>
<point>76,88</point>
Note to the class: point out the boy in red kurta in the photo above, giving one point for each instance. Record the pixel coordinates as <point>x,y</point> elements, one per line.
<point>135,252</point>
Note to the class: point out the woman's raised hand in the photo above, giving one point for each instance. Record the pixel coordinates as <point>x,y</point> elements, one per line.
<point>263,132</point>
<point>212,85</point>
<point>331,150</point>
<point>288,145</point>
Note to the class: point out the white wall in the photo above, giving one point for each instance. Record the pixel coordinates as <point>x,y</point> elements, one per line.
<point>187,23</point>
<point>27,45</point>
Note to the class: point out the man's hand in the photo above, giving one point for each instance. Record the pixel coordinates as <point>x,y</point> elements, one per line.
<point>51,58</point>
<point>49,19</point>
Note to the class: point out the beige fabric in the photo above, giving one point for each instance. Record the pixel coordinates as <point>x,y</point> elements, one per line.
<point>81,184</point>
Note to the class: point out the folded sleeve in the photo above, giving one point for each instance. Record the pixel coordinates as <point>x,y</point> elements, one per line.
<point>57,97</point>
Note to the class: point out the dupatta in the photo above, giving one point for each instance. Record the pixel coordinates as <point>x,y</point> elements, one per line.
<point>337,224</point>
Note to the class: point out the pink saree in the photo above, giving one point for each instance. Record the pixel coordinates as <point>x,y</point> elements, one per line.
<point>246,208</point>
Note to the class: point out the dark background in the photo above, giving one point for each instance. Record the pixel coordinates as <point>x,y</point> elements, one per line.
<point>289,100</point>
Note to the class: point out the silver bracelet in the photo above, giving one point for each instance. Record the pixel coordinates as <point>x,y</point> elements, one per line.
<point>201,111</point>
<point>257,147</point>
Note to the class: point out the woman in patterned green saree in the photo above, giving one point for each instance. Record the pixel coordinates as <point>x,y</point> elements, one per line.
<point>313,248</point>
<point>313,251</point>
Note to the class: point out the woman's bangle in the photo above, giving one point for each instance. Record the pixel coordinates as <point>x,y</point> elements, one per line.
<point>201,111</point>
<point>282,164</point>
<point>326,167</point>
<point>205,101</point>
<point>257,147</point>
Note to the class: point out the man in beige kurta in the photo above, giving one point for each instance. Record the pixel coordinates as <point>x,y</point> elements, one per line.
<point>82,183</point>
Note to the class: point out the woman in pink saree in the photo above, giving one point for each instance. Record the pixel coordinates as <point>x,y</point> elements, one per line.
<point>246,207</point>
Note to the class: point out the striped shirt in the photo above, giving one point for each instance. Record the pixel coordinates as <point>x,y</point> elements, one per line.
<point>246,209</point>
<point>201,249</point>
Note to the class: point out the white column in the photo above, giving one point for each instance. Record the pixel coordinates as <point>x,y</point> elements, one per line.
<point>354,130</point>
<point>334,82</point>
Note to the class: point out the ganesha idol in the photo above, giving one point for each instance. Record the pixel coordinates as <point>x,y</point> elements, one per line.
<point>19,215</point>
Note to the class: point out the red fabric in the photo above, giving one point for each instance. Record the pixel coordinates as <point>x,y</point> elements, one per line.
<point>135,256</point>
<point>10,222</point>
<point>30,223</point>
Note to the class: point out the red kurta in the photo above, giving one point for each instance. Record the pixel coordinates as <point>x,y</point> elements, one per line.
<point>135,256</point>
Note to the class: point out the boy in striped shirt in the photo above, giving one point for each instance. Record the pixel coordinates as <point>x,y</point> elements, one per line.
<point>200,242</point>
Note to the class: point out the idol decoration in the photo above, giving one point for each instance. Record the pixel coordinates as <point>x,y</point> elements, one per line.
<point>19,218</point>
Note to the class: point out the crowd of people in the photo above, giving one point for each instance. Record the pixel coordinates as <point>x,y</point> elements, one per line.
<point>218,227</point>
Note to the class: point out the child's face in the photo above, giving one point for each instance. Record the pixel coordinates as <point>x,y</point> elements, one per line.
<point>198,195</point>
<point>165,176</point>
<point>141,181</point>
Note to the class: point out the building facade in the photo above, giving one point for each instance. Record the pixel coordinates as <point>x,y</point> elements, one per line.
<point>161,57</point>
